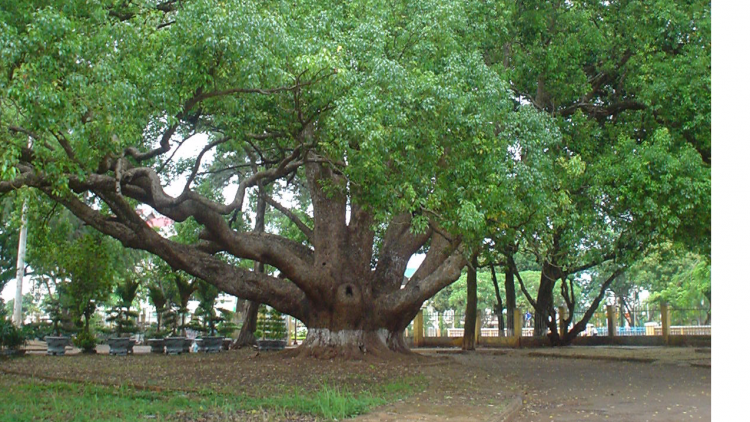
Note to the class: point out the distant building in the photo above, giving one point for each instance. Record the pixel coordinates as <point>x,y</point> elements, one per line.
<point>155,220</point>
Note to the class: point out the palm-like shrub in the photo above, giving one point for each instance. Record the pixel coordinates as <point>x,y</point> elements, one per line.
<point>11,336</point>
<point>121,315</point>
<point>206,312</point>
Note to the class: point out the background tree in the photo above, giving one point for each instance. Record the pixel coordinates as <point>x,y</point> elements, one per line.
<point>89,264</point>
<point>470,314</point>
<point>8,241</point>
<point>29,305</point>
<point>614,77</point>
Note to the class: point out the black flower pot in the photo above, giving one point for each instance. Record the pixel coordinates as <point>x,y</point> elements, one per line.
<point>176,345</point>
<point>210,344</point>
<point>157,345</point>
<point>119,346</point>
<point>56,345</point>
<point>271,345</point>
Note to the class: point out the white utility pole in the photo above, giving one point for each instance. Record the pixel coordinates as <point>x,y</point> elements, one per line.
<point>21,261</point>
<point>20,266</point>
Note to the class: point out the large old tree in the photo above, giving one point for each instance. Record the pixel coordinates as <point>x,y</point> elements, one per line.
<point>384,114</point>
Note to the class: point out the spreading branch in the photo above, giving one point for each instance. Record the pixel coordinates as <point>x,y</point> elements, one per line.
<point>307,231</point>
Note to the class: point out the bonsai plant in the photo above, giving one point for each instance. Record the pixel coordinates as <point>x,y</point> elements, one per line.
<point>56,343</point>
<point>206,314</point>
<point>271,332</point>
<point>155,335</point>
<point>185,290</point>
<point>175,317</point>
<point>174,343</point>
<point>123,318</point>
<point>226,327</point>
<point>85,341</point>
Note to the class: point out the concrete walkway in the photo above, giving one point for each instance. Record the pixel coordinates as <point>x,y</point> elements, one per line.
<point>602,384</point>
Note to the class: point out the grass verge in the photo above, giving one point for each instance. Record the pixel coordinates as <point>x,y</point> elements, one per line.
<point>28,399</point>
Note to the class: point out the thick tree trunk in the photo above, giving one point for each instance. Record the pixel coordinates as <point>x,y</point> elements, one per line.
<point>351,326</point>
<point>246,336</point>
<point>499,307</point>
<point>542,312</point>
<point>545,299</point>
<point>470,318</point>
<point>352,344</point>
<point>510,297</point>
<point>580,325</point>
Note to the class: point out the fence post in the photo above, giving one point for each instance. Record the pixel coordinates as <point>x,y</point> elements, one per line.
<point>611,331</point>
<point>665,322</point>
<point>478,328</point>
<point>289,329</point>
<point>562,313</point>
<point>517,325</point>
<point>419,329</point>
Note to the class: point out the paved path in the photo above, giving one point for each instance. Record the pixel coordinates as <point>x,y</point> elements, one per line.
<point>563,389</point>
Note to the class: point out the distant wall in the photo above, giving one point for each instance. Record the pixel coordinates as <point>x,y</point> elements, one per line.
<point>515,342</point>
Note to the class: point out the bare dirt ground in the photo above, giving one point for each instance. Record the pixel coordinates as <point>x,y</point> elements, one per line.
<point>619,384</point>
<point>439,388</point>
<point>565,389</point>
<point>230,372</point>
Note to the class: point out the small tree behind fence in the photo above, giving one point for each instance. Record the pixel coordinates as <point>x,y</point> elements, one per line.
<point>271,324</point>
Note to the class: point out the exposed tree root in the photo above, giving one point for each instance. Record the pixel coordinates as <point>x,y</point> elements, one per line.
<point>353,345</point>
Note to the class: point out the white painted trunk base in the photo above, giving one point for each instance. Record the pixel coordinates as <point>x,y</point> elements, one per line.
<point>350,342</point>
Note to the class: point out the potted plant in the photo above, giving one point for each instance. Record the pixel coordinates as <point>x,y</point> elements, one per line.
<point>174,344</point>
<point>85,341</point>
<point>226,327</point>
<point>123,319</point>
<point>209,342</point>
<point>184,290</point>
<point>56,343</point>
<point>155,337</point>
<point>271,332</point>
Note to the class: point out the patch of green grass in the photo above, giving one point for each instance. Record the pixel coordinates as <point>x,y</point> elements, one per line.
<point>31,400</point>
<point>328,402</point>
<point>333,403</point>
<point>26,399</point>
